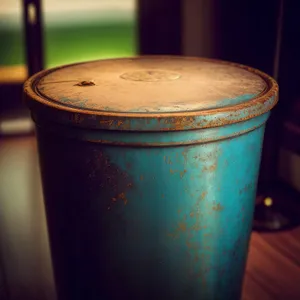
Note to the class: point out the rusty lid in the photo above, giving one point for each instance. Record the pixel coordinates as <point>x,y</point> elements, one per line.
<point>150,93</point>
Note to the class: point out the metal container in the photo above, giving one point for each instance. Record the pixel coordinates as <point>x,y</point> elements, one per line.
<point>149,169</point>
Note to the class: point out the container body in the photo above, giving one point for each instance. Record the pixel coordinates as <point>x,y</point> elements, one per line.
<point>150,215</point>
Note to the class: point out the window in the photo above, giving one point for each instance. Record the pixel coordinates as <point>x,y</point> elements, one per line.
<point>74,31</point>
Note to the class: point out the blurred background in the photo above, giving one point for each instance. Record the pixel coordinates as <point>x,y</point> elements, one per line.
<point>73,31</point>
<point>60,32</point>
<point>35,35</point>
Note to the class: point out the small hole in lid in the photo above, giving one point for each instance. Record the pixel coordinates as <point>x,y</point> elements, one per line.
<point>86,83</point>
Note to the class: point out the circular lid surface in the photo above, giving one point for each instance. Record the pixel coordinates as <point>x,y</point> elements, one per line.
<point>150,85</point>
<point>152,93</point>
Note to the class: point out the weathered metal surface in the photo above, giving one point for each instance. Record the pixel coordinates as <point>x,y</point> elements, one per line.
<point>173,93</point>
<point>147,223</point>
<point>150,209</point>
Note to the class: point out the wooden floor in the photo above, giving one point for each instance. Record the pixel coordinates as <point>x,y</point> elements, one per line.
<point>273,270</point>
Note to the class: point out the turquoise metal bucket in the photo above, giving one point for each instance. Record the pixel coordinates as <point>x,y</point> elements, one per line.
<point>149,169</point>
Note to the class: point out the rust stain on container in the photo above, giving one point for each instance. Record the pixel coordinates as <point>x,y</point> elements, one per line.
<point>203,195</point>
<point>182,173</point>
<point>106,122</point>
<point>209,168</point>
<point>106,175</point>
<point>192,245</point>
<point>185,226</point>
<point>122,197</point>
<point>218,207</point>
<point>172,171</point>
<point>182,226</point>
<point>180,123</point>
<point>197,226</point>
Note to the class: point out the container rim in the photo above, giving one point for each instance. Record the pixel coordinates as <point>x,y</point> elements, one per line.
<point>214,117</point>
